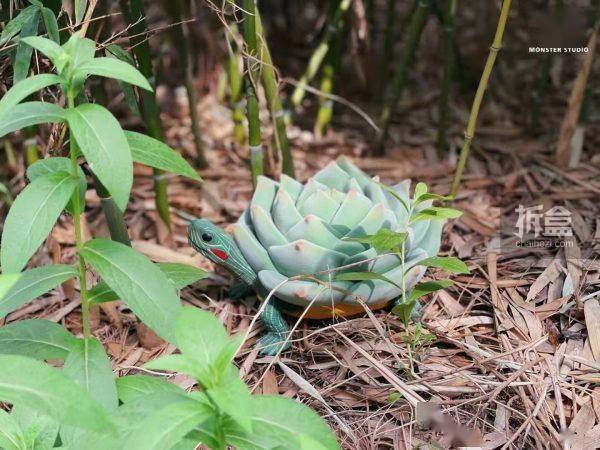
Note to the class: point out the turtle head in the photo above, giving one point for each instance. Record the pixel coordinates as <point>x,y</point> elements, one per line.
<point>217,245</point>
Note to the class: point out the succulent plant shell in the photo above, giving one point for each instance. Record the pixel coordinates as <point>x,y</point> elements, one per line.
<point>292,229</point>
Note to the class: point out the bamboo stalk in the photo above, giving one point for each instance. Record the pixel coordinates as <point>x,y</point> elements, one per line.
<point>447,42</point>
<point>117,227</point>
<point>181,38</point>
<point>483,82</point>
<point>417,23</point>
<point>331,67</point>
<point>318,55</point>
<point>251,79</point>
<point>235,85</point>
<point>148,107</point>
<point>32,153</point>
<point>387,47</point>
<point>271,87</point>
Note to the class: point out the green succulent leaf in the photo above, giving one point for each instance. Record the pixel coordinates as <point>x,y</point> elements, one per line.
<point>30,113</point>
<point>384,240</point>
<point>448,263</point>
<point>394,194</point>
<point>36,338</point>
<point>154,153</point>
<point>113,68</point>
<point>436,213</point>
<point>31,218</point>
<point>24,89</point>
<point>34,384</point>
<point>138,282</point>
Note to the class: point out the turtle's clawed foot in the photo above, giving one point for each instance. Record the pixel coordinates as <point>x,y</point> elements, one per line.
<point>239,291</point>
<point>273,342</point>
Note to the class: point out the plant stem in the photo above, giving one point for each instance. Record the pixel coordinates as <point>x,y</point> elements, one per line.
<point>117,227</point>
<point>271,87</point>
<point>181,38</point>
<point>149,107</point>
<point>417,23</point>
<point>318,55</point>
<point>388,46</point>
<point>485,76</point>
<point>77,212</point>
<point>31,148</point>
<point>332,65</point>
<point>447,41</point>
<point>252,76</point>
<point>235,85</point>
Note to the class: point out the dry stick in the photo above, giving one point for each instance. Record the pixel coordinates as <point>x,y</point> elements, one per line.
<point>148,107</point>
<point>447,41</point>
<point>181,37</point>
<point>417,23</point>
<point>562,157</point>
<point>271,87</point>
<point>485,76</point>
<point>251,78</point>
<point>319,54</point>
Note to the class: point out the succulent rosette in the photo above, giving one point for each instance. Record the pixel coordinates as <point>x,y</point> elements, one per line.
<point>292,229</point>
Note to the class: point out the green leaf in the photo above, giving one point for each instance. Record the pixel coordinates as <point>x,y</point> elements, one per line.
<point>231,395</point>
<point>133,387</point>
<point>80,8</point>
<point>167,426</point>
<point>18,288</point>
<point>50,48</point>
<point>394,194</point>
<point>40,431</point>
<point>420,189</point>
<point>22,59</point>
<point>363,276</point>
<point>182,275</point>
<point>31,218</point>
<point>114,51</point>
<point>36,338</point>
<point>138,282</point>
<point>449,264</point>
<point>34,384</point>
<point>154,153</point>
<point>24,89</point>
<point>14,26</point>
<point>430,196</point>
<point>199,335</point>
<point>288,421</point>
<point>93,372</point>
<point>113,68</point>
<point>181,364</point>
<point>428,287</point>
<point>30,113</point>
<point>11,434</point>
<point>101,293</point>
<point>50,24</point>
<point>58,164</point>
<point>436,213</point>
<point>105,147</point>
<point>384,240</point>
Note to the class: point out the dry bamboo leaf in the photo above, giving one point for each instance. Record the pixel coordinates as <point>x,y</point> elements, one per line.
<point>591,309</point>
<point>549,274</point>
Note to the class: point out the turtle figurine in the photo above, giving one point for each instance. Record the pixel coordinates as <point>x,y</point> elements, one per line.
<point>292,230</point>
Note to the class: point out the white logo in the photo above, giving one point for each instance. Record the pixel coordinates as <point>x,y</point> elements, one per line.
<point>556,221</point>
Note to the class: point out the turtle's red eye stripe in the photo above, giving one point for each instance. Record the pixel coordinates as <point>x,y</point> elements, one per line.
<point>219,253</point>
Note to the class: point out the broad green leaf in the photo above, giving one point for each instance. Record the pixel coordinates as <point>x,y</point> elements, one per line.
<point>24,89</point>
<point>34,384</point>
<point>101,293</point>
<point>182,364</point>
<point>428,287</point>
<point>133,387</point>
<point>11,434</point>
<point>199,335</point>
<point>436,213</point>
<point>182,275</point>
<point>138,282</point>
<point>114,68</point>
<point>231,395</point>
<point>430,196</point>
<point>81,50</point>
<point>40,431</point>
<point>287,420</point>
<point>102,141</point>
<point>58,164</point>
<point>167,426</point>
<point>31,218</point>
<point>50,48</point>
<point>80,8</point>
<point>30,113</point>
<point>22,59</point>
<point>14,26</point>
<point>384,240</point>
<point>36,338</point>
<point>448,263</point>
<point>50,24</point>
<point>154,153</point>
<point>93,372</point>
<point>28,285</point>
<point>114,51</point>
<point>363,276</point>
<point>420,189</point>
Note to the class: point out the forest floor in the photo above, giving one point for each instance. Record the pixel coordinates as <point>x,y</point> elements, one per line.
<point>506,357</point>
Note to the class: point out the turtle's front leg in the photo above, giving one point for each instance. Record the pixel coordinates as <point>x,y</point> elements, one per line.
<point>278,330</point>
